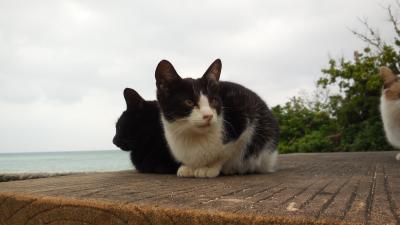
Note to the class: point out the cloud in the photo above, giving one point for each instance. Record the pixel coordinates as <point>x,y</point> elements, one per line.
<point>68,61</point>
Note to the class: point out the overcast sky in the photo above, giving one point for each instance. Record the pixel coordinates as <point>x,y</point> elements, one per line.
<point>64,64</point>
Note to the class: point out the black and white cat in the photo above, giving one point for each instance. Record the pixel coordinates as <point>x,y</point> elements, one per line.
<point>139,131</point>
<point>390,107</point>
<point>213,126</point>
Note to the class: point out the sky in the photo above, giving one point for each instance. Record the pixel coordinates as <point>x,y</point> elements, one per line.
<point>64,64</point>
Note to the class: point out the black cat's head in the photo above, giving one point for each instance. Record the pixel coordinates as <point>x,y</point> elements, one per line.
<point>194,104</point>
<point>137,122</point>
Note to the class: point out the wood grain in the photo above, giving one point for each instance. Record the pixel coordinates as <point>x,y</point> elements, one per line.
<point>308,188</point>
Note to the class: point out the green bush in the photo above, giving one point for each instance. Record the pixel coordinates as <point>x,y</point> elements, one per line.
<point>348,120</point>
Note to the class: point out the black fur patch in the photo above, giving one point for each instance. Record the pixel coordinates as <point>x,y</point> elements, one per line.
<point>139,131</point>
<point>242,106</point>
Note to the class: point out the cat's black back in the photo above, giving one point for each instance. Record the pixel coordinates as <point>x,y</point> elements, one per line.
<point>139,131</point>
<point>242,106</point>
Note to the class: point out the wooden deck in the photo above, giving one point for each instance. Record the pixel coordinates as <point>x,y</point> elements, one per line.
<point>308,188</point>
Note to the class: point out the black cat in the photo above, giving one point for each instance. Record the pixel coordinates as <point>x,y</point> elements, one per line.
<point>139,131</point>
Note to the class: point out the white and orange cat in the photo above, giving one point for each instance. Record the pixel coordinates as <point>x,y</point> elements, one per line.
<point>390,107</point>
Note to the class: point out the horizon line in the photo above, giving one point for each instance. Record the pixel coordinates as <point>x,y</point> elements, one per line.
<point>65,151</point>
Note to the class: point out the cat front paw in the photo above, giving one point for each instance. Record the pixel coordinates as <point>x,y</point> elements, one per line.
<point>185,171</point>
<point>206,172</point>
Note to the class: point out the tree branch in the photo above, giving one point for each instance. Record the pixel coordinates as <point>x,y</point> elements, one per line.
<point>394,19</point>
<point>373,38</point>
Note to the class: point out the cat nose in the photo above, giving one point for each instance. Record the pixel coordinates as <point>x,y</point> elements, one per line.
<point>208,117</point>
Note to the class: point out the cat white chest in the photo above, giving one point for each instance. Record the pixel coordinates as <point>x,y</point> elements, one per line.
<point>390,111</point>
<point>194,152</point>
<point>192,149</point>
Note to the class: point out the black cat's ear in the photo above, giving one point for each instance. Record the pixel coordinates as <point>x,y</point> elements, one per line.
<point>133,99</point>
<point>387,76</point>
<point>214,71</point>
<point>165,75</point>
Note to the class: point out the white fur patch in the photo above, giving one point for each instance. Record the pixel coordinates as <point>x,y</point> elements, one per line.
<point>268,161</point>
<point>390,110</point>
<point>185,171</point>
<point>193,148</point>
<point>207,172</point>
<point>204,105</point>
<point>197,122</point>
<point>264,162</point>
<point>194,141</point>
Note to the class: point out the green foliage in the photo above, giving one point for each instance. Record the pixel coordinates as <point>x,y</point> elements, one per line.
<point>355,108</point>
<point>303,129</point>
<point>350,119</point>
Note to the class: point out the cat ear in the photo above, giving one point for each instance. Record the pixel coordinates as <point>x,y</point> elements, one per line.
<point>133,99</point>
<point>165,74</point>
<point>214,71</point>
<point>387,76</point>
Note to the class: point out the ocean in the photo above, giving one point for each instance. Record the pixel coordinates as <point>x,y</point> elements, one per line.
<point>64,162</point>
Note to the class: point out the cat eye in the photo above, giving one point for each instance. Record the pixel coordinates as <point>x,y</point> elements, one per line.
<point>189,102</point>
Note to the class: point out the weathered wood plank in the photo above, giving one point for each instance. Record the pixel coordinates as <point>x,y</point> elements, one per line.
<point>331,187</point>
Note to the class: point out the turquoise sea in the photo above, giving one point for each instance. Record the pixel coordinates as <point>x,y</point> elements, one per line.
<point>60,162</point>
